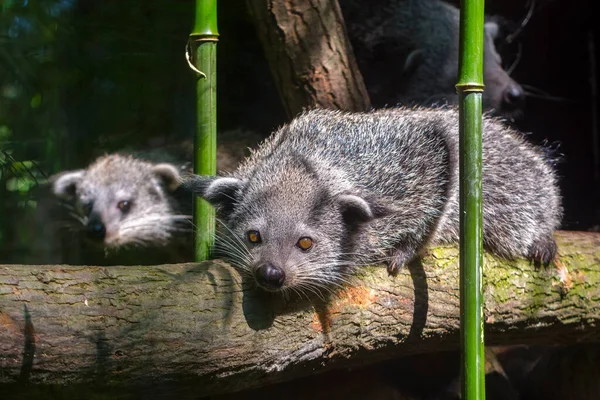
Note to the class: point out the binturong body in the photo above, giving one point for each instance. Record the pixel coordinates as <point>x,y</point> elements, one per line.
<point>334,190</point>
<point>408,52</point>
<point>125,209</point>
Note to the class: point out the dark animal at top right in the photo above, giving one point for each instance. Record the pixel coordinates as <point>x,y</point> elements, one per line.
<point>407,51</point>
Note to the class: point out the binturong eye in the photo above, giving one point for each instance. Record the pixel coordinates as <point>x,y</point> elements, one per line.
<point>254,236</point>
<point>304,243</point>
<point>124,206</point>
<point>86,208</point>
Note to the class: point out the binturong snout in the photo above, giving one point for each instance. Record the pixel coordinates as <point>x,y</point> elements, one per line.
<point>514,97</point>
<point>270,277</point>
<point>95,230</point>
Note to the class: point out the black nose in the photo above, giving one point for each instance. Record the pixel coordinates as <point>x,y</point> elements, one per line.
<point>270,277</point>
<point>514,96</point>
<point>95,230</point>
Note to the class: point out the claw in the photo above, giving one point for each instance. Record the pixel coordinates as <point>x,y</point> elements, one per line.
<point>397,261</point>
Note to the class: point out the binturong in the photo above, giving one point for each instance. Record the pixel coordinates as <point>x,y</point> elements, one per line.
<point>334,190</point>
<point>408,52</point>
<point>121,203</point>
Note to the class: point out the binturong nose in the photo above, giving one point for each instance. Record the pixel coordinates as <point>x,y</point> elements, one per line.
<point>513,97</point>
<point>269,277</point>
<point>95,230</point>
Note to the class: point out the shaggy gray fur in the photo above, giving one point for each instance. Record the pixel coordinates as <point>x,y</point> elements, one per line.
<point>408,53</point>
<point>152,218</point>
<point>375,187</point>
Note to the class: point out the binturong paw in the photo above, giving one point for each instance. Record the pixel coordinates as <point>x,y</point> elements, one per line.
<point>543,251</point>
<point>398,259</point>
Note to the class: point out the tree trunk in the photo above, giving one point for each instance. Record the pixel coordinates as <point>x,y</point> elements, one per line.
<point>199,329</point>
<point>309,54</point>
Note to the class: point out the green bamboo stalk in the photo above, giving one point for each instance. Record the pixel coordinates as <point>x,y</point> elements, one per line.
<point>203,41</point>
<point>470,89</point>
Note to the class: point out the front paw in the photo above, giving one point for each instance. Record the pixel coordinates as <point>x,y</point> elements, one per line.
<point>398,258</point>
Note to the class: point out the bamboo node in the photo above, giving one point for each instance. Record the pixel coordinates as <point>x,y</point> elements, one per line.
<point>470,87</point>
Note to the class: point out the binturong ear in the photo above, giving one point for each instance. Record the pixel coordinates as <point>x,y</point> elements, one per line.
<point>491,28</point>
<point>168,174</point>
<point>357,210</point>
<point>413,60</point>
<point>221,192</point>
<point>64,185</point>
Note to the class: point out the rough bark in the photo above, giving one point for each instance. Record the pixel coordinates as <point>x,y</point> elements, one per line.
<point>198,329</point>
<point>309,54</point>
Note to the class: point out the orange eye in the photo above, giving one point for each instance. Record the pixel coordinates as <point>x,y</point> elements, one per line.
<point>124,205</point>
<point>254,236</point>
<point>305,243</point>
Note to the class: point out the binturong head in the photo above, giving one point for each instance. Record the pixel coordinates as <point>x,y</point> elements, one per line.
<point>287,231</point>
<point>121,201</point>
<point>502,93</point>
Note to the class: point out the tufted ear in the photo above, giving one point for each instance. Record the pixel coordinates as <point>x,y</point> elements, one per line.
<point>413,60</point>
<point>168,174</point>
<point>492,28</point>
<point>219,191</point>
<point>356,209</point>
<point>64,185</point>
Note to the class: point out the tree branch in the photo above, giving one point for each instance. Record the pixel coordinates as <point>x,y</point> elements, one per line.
<point>310,55</point>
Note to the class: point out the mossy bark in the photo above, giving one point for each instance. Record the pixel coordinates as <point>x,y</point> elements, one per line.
<point>309,53</point>
<point>198,329</point>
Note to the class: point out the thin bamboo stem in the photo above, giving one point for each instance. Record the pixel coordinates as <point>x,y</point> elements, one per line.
<point>470,89</point>
<point>203,42</point>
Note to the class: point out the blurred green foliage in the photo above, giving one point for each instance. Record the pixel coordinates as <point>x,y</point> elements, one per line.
<point>80,78</point>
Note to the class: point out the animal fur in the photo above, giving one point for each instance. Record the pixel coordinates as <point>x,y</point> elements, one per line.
<point>407,51</point>
<point>375,187</point>
<point>124,204</point>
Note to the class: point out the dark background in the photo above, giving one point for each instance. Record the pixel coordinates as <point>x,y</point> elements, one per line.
<point>556,59</point>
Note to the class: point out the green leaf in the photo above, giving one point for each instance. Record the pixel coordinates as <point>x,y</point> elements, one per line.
<point>22,166</point>
<point>36,100</point>
<point>20,184</point>
<point>5,133</point>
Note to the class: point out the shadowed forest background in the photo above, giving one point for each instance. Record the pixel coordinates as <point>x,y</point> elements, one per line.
<point>82,78</point>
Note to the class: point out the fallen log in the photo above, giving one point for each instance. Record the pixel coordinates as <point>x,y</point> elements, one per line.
<point>191,330</point>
